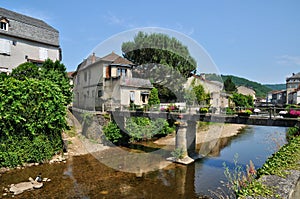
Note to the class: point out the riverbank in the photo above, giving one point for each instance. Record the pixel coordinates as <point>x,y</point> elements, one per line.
<point>207,133</point>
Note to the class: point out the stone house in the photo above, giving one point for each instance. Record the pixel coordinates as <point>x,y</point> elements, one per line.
<point>107,83</point>
<point>246,91</point>
<point>277,98</point>
<point>292,89</point>
<point>218,98</point>
<point>25,39</point>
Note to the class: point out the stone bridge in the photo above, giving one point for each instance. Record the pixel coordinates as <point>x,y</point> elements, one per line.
<point>187,123</point>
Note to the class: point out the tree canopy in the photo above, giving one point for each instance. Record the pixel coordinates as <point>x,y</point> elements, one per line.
<point>229,86</point>
<point>53,71</point>
<point>153,97</point>
<point>242,100</point>
<point>162,59</point>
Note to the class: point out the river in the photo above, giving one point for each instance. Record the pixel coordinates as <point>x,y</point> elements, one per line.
<point>86,177</point>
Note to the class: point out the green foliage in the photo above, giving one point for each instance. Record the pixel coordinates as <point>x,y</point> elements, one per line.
<point>56,72</point>
<point>177,153</point>
<point>153,97</point>
<point>26,70</point>
<point>139,128</point>
<point>229,111</point>
<point>3,76</point>
<point>229,86</point>
<point>203,110</point>
<point>201,96</point>
<point>164,60</point>
<point>292,132</point>
<point>241,100</point>
<point>53,71</point>
<point>286,158</point>
<point>112,132</point>
<point>244,183</point>
<point>249,112</point>
<point>276,87</point>
<point>260,90</point>
<point>190,97</point>
<point>161,49</point>
<point>32,114</point>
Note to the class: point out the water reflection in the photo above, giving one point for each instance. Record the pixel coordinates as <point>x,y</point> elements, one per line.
<point>85,177</point>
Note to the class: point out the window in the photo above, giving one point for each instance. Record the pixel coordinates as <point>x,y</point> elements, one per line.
<point>5,46</point>
<point>85,76</point>
<point>99,93</point>
<point>132,96</point>
<point>4,24</point>
<point>43,53</point>
<point>78,79</point>
<point>122,72</point>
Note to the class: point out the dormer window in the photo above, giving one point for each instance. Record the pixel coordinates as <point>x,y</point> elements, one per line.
<point>4,24</point>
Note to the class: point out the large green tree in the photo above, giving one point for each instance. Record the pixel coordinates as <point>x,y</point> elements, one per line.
<point>229,86</point>
<point>163,59</point>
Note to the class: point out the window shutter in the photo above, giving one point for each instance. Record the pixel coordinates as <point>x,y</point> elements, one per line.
<point>43,54</point>
<point>5,47</point>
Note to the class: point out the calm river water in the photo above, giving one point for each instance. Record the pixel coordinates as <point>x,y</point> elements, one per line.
<point>85,177</point>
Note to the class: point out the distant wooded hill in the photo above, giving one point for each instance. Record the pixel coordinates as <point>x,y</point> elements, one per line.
<point>277,87</point>
<point>261,90</point>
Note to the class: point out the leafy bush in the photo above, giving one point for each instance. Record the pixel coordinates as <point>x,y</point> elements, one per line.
<point>229,111</point>
<point>32,115</point>
<point>286,158</point>
<point>203,110</point>
<point>242,100</point>
<point>139,128</point>
<point>177,153</point>
<point>292,132</point>
<point>112,132</point>
<point>248,111</point>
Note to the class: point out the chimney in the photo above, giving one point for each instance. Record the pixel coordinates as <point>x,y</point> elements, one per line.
<point>202,76</point>
<point>93,58</point>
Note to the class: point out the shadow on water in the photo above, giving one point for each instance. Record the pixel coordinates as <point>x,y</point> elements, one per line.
<point>86,177</point>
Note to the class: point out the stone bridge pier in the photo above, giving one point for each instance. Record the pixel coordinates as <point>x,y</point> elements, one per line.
<point>186,140</point>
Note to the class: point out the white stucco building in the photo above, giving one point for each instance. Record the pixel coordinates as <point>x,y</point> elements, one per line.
<point>107,82</point>
<point>26,39</point>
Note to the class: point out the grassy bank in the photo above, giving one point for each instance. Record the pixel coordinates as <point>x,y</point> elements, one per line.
<point>287,158</point>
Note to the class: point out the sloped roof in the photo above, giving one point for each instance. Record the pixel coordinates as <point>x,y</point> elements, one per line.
<point>294,76</point>
<point>110,57</point>
<point>121,61</point>
<point>116,59</point>
<point>136,82</point>
<point>70,74</point>
<point>25,19</point>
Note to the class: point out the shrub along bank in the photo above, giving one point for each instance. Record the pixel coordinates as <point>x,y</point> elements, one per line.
<point>287,158</point>
<point>137,129</point>
<point>32,114</point>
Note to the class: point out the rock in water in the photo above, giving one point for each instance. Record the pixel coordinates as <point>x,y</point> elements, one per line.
<point>38,185</point>
<point>21,187</point>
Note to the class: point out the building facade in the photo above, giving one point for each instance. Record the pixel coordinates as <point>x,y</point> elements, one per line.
<point>26,39</point>
<point>218,98</point>
<point>106,83</point>
<point>292,89</point>
<point>246,91</point>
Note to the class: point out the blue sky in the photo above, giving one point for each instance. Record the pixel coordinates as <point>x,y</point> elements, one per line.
<point>258,40</point>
